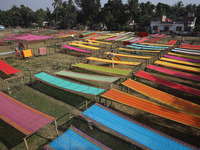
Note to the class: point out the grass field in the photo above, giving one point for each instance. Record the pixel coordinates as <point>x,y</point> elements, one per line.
<point>58,103</point>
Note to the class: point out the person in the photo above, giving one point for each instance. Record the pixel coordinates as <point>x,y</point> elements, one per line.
<point>111,55</point>
<point>21,46</point>
<point>17,51</point>
<point>72,35</point>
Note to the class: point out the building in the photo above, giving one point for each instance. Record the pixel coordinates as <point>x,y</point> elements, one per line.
<point>181,26</point>
<point>2,27</point>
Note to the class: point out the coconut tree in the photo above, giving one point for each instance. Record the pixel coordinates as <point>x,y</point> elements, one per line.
<point>69,13</point>
<point>57,5</point>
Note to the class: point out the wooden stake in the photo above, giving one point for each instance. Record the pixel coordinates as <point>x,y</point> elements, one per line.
<point>21,80</point>
<point>56,127</point>
<point>86,105</point>
<point>26,144</point>
<point>7,86</point>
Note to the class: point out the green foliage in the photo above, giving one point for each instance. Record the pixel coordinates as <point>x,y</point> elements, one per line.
<point>40,16</point>
<point>90,10</point>
<point>68,15</point>
<point>114,14</point>
<point>197,28</point>
<point>127,27</point>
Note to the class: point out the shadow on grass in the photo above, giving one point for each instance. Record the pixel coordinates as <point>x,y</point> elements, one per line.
<point>47,141</point>
<point>66,97</point>
<point>10,136</point>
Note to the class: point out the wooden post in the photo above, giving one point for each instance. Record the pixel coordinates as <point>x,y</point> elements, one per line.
<point>95,98</point>
<point>21,82</point>
<point>26,144</point>
<point>110,85</point>
<point>31,79</point>
<point>99,99</point>
<point>41,68</point>
<point>56,127</point>
<point>7,86</point>
<point>22,85</point>
<point>86,105</point>
<point>69,116</point>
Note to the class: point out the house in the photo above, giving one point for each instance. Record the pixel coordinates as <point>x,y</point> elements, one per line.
<point>183,25</point>
<point>2,27</point>
<point>45,24</point>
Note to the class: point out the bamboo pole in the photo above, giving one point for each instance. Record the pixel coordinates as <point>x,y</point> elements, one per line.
<point>56,126</point>
<point>7,86</point>
<point>86,105</point>
<point>26,144</point>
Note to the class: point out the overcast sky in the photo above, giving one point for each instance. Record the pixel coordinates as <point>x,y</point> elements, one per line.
<point>36,4</point>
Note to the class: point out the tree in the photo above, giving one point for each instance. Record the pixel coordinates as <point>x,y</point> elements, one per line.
<point>15,15</point>
<point>40,16</point>
<point>27,16</point>
<point>146,12</point>
<point>6,18</point>
<point>190,9</point>
<point>89,11</point>
<point>49,16</point>
<point>114,14</point>
<point>57,5</point>
<point>197,15</point>
<point>133,8</point>
<point>178,10</point>
<point>69,14</point>
<point>162,9</point>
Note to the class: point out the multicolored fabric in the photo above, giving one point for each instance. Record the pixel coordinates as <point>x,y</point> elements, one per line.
<point>185,56</point>
<point>130,56</point>
<point>134,50</point>
<point>175,73</point>
<point>42,51</point>
<point>85,46</point>
<point>113,61</point>
<point>68,85</point>
<point>151,107</point>
<point>75,49</point>
<point>7,69</point>
<point>27,53</point>
<point>22,117</point>
<point>168,83</point>
<point>177,66</point>
<point>182,58</point>
<point>139,134</point>
<point>164,97</point>
<point>119,71</point>
<point>74,139</point>
<point>93,77</point>
<point>182,62</point>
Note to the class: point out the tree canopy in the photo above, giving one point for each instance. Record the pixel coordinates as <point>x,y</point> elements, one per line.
<point>114,14</point>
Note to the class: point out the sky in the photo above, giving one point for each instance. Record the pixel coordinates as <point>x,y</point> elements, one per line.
<point>37,4</point>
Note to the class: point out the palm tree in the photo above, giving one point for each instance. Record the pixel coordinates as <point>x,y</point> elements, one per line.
<point>15,10</point>
<point>57,4</point>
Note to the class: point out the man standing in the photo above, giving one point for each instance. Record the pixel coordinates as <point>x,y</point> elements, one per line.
<point>111,55</point>
<point>72,36</point>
